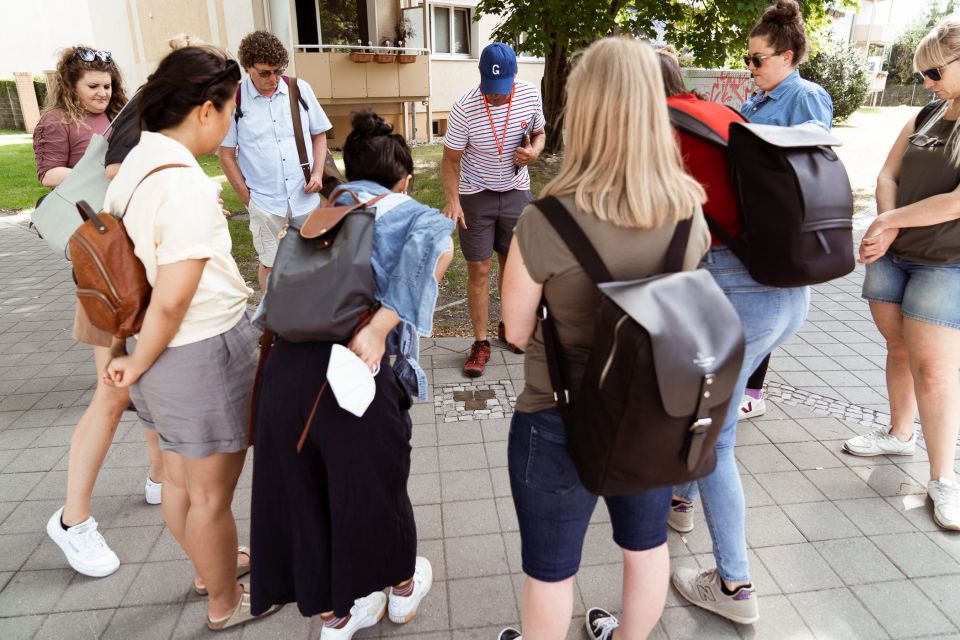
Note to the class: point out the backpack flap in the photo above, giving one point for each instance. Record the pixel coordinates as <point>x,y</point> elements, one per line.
<point>695,332</point>
<point>795,137</point>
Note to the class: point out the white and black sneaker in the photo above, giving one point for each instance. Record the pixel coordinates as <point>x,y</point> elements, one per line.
<point>509,634</point>
<point>85,549</point>
<point>600,624</point>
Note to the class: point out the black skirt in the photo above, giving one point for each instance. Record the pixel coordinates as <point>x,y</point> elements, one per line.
<point>334,522</point>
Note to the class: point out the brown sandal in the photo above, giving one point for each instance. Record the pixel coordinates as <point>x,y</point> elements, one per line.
<point>240,615</point>
<point>242,570</point>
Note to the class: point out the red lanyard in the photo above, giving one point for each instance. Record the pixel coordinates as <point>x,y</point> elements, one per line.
<point>506,125</point>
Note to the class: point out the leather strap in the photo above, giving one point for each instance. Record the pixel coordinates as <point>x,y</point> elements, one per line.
<point>149,173</point>
<point>701,424</point>
<point>324,218</point>
<point>313,412</point>
<point>298,128</point>
<point>267,338</point>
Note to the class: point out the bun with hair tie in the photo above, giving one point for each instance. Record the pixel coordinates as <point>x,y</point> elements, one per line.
<point>784,12</point>
<point>368,124</point>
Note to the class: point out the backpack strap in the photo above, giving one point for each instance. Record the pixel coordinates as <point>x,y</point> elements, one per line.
<point>237,112</point>
<point>303,103</point>
<point>693,126</point>
<point>298,128</point>
<point>149,173</point>
<point>575,239</point>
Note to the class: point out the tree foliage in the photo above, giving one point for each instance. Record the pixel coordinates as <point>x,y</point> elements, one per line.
<point>713,30</point>
<point>901,54</point>
<point>844,73</point>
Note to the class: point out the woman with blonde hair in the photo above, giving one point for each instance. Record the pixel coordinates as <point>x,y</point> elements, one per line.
<point>622,179</point>
<point>912,253</point>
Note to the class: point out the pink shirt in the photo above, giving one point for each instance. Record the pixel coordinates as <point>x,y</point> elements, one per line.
<point>58,144</point>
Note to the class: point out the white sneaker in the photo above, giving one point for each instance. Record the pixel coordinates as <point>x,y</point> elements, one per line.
<point>946,502</point>
<point>880,443</point>
<point>365,612</point>
<point>750,407</point>
<point>600,624</point>
<point>403,609</point>
<point>85,549</point>
<point>152,491</point>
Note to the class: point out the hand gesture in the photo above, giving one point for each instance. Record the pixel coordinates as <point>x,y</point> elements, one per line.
<point>122,372</point>
<point>454,211</point>
<point>369,346</point>
<point>525,154</point>
<point>315,184</point>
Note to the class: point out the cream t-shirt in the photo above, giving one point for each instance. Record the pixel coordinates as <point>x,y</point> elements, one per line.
<point>174,216</point>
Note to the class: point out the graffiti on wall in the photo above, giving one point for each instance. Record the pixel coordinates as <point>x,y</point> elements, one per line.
<point>727,87</point>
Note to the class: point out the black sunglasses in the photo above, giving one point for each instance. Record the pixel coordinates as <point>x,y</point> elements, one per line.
<point>757,60</point>
<point>89,55</point>
<point>935,74</point>
<point>270,72</point>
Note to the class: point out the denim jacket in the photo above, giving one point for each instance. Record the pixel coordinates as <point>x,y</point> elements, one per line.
<point>794,101</point>
<point>408,239</point>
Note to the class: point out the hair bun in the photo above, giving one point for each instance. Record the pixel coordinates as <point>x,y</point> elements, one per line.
<point>368,124</point>
<point>784,12</point>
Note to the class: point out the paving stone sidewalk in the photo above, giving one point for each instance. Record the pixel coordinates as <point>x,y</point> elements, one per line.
<point>840,547</point>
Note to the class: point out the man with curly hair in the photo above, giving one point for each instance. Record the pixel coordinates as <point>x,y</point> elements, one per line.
<point>259,155</point>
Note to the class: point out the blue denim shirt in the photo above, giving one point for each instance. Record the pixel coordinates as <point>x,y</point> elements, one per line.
<point>794,101</point>
<point>408,239</point>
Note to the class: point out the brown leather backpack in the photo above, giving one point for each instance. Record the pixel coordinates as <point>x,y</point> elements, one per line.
<point>112,284</point>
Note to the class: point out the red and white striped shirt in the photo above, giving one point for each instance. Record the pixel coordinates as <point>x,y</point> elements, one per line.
<point>485,165</point>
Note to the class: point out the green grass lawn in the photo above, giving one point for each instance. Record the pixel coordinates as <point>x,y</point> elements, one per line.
<point>19,189</point>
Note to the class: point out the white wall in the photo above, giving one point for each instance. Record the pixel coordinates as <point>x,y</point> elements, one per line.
<point>35,30</point>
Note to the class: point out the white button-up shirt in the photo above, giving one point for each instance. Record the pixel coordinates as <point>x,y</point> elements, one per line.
<point>268,149</point>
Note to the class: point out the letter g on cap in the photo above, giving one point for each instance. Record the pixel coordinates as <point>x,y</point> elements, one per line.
<point>495,69</point>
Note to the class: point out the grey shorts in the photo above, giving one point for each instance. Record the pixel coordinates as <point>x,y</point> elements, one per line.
<point>197,396</point>
<point>490,217</point>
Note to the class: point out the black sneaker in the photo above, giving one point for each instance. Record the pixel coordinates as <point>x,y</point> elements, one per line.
<point>600,624</point>
<point>509,634</point>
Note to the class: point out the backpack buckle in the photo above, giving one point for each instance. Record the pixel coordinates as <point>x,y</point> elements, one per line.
<point>702,424</point>
<point>542,312</point>
<point>566,397</point>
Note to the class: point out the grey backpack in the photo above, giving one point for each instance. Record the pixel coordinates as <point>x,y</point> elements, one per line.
<point>322,287</point>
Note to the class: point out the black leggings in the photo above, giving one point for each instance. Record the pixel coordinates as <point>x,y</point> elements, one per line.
<point>755,381</point>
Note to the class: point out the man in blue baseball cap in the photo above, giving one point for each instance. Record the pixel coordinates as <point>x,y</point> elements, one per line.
<point>494,131</point>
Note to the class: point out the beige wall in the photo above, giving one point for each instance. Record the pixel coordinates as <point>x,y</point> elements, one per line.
<point>134,31</point>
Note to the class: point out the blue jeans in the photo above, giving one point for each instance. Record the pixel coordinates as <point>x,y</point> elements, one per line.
<point>769,315</point>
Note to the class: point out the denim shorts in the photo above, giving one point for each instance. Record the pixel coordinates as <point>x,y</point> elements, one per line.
<point>554,508</point>
<point>929,293</point>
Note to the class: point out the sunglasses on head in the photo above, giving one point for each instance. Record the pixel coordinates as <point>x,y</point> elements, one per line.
<point>757,60</point>
<point>89,55</point>
<point>935,73</point>
<point>270,72</point>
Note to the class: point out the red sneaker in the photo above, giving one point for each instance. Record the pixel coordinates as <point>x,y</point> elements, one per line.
<point>502,335</point>
<point>477,360</point>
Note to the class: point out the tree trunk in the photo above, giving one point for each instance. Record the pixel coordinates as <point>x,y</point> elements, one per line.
<point>555,72</point>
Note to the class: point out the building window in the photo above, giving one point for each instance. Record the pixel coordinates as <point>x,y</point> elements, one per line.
<point>451,31</point>
<point>342,22</point>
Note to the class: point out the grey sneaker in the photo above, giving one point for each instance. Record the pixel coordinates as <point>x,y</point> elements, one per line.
<point>880,443</point>
<point>703,588</point>
<point>681,516</point>
<point>946,502</point>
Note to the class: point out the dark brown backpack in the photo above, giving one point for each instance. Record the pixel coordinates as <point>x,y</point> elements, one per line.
<point>666,353</point>
<point>112,284</point>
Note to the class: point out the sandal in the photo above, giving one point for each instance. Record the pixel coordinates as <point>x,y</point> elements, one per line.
<point>242,570</point>
<point>240,615</point>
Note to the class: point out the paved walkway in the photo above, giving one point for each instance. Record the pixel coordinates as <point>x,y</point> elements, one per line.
<point>841,547</point>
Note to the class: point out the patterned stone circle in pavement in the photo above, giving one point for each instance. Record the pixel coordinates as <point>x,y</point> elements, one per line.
<point>817,403</point>
<point>466,401</point>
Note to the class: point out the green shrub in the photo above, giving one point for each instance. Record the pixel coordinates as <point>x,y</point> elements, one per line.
<point>40,88</point>
<point>844,73</point>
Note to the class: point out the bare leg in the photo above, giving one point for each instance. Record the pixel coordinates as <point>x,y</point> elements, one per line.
<point>199,516</point>
<point>900,386</point>
<point>478,296</point>
<point>91,441</point>
<point>546,609</point>
<point>153,452</point>
<point>645,578</point>
<point>934,360</point>
<point>262,274</point>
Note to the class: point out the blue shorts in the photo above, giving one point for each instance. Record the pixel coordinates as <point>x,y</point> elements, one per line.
<point>554,509</point>
<point>929,293</point>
